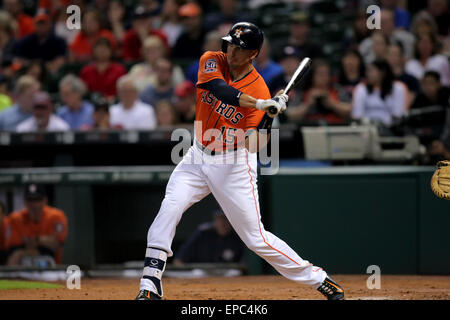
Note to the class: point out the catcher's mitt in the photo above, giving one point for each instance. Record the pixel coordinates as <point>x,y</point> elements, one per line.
<point>440,182</point>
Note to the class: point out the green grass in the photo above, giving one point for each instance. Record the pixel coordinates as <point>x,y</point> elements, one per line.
<point>13,284</point>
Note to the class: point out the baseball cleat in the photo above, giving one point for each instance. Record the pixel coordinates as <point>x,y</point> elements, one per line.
<point>147,295</point>
<point>331,290</point>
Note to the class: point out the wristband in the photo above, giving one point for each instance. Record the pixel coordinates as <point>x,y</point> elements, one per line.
<point>259,104</point>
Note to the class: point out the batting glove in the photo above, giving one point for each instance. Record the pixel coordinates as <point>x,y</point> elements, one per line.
<point>277,102</point>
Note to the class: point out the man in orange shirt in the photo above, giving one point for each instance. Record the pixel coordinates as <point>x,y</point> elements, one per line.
<point>82,47</point>
<point>233,103</point>
<point>142,27</point>
<point>36,230</point>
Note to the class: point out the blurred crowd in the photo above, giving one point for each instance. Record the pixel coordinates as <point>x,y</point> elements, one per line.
<point>133,64</point>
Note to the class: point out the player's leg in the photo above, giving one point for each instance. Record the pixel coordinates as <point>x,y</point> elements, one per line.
<point>235,188</point>
<point>186,186</point>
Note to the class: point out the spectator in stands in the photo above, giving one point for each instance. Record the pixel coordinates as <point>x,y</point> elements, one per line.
<point>101,75</point>
<point>36,69</point>
<point>142,27</point>
<point>100,116</point>
<point>25,22</point>
<point>321,101</point>
<point>213,242</point>
<point>82,47</point>
<point>43,44</point>
<point>3,228</point>
<point>150,5</point>
<point>401,16</point>
<point>189,44</point>
<point>21,110</point>
<point>427,57</point>
<point>54,6</point>
<point>227,13</point>
<point>430,107</point>
<point>43,118</point>
<point>351,72</point>
<point>75,111</point>
<point>101,6</point>
<point>163,89</point>
<point>423,23</point>
<point>379,47</point>
<point>145,73</point>
<point>170,21</point>
<point>5,100</point>
<point>432,92</point>
<point>131,113</point>
<point>60,26</point>
<point>185,102</point>
<point>165,114</point>
<point>387,23</point>
<point>380,99</point>
<point>213,42</point>
<point>441,147</point>
<point>396,58</point>
<point>116,17</point>
<point>36,230</point>
<point>440,11</point>
<point>7,34</point>
<point>358,32</point>
<point>267,68</point>
<point>299,26</point>
<point>289,59</point>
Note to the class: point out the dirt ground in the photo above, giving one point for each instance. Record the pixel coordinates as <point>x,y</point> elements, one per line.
<point>246,288</point>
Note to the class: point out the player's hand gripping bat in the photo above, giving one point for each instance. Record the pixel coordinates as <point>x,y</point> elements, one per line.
<point>299,76</point>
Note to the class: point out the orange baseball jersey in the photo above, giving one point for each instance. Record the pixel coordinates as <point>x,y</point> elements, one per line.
<point>219,121</point>
<point>53,223</point>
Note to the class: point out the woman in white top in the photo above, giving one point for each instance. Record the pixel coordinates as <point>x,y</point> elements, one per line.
<point>170,21</point>
<point>144,73</point>
<point>380,99</point>
<point>428,59</point>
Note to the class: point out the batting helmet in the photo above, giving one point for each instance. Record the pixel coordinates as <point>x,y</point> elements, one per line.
<point>245,35</point>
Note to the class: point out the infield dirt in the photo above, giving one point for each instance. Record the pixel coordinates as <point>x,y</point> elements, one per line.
<point>246,288</point>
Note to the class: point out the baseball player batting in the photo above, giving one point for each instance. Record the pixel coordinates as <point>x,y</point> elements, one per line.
<point>231,98</point>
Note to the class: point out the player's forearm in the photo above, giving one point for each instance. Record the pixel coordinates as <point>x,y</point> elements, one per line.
<point>227,94</point>
<point>247,101</point>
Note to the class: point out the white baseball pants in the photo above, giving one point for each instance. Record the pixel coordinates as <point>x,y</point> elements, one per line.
<point>232,179</point>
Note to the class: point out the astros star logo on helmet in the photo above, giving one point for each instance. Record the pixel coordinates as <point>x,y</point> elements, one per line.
<point>238,33</point>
